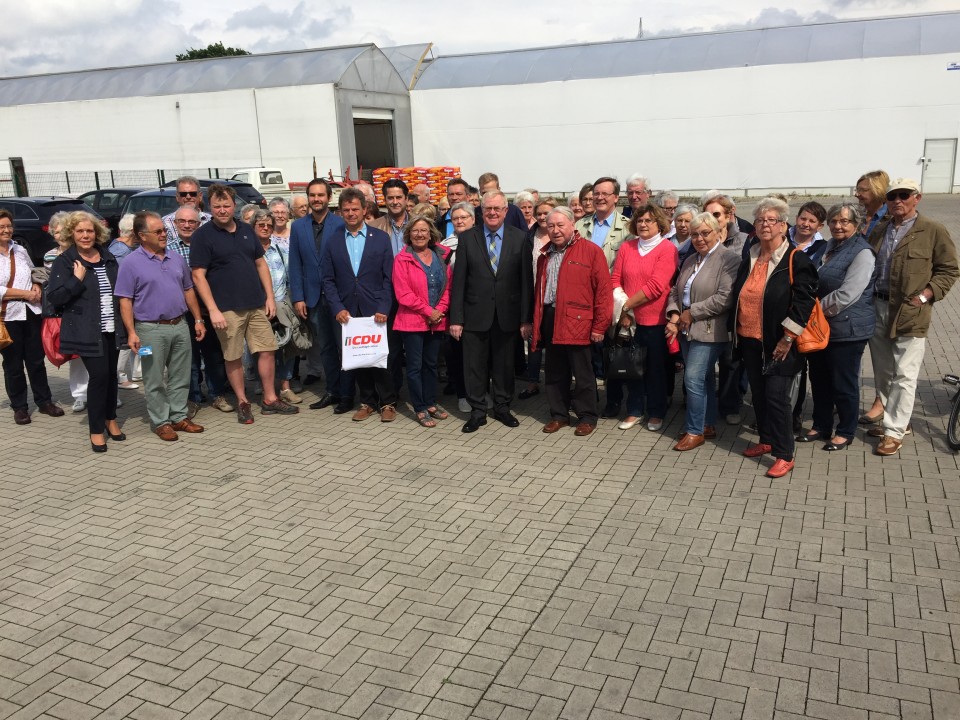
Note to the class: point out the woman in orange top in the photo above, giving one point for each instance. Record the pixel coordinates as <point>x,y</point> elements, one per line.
<point>769,314</point>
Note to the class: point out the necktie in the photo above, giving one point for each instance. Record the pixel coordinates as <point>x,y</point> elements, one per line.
<point>492,250</point>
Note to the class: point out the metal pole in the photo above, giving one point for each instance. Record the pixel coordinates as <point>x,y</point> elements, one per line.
<point>66,174</point>
<point>96,179</point>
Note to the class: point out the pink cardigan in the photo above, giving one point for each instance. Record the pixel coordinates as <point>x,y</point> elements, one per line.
<point>651,273</point>
<point>410,289</point>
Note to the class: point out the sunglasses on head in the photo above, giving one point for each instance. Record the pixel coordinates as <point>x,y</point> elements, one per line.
<point>899,194</point>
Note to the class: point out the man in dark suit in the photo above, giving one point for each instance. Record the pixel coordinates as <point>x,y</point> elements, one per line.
<point>490,299</point>
<point>357,270</point>
<point>308,236</point>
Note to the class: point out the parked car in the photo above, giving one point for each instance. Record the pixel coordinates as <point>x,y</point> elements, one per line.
<point>159,200</point>
<point>246,193</point>
<point>110,203</point>
<point>31,221</point>
<point>267,181</point>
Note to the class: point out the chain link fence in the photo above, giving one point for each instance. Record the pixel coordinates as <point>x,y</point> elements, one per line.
<point>75,182</point>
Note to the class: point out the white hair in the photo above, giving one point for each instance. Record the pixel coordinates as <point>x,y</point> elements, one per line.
<point>522,197</point>
<point>638,179</point>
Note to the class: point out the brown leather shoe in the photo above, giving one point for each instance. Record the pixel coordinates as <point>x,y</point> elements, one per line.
<point>888,446</point>
<point>710,432</point>
<point>51,409</point>
<point>387,414</point>
<point>584,429</point>
<point>363,413</point>
<point>554,425</point>
<point>188,426</point>
<point>166,433</point>
<point>21,416</point>
<point>689,442</point>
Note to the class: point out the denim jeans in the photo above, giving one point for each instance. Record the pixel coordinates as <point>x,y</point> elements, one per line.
<point>422,350</point>
<point>699,378</point>
<point>835,382</point>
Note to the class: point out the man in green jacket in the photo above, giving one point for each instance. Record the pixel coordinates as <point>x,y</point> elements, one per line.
<point>916,267</point>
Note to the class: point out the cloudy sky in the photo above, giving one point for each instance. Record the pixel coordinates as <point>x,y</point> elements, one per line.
<point>60,35</point>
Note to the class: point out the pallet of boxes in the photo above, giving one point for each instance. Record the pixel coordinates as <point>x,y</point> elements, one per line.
<point>435,178</point>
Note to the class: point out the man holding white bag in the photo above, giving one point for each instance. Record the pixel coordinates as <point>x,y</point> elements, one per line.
<point>357,268</point>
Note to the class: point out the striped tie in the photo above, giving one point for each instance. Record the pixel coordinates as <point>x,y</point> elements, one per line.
<point>492,250</point>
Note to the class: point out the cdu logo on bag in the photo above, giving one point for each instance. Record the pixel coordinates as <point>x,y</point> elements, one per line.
<point>361,340</point>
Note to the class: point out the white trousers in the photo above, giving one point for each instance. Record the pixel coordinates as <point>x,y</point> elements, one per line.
<point>896,367</point>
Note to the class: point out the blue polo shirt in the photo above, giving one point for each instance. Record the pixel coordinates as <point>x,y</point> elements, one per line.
<point>230,259</point>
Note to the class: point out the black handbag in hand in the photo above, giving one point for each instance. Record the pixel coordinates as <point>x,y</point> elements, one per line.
<point>622,360</point>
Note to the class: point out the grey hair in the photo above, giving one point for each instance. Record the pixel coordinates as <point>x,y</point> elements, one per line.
<point>261,214</point>
<point>573,196</point>
<point>125,226</point>
<point>277,201</point>
<point>522,197</point>
<point>704,218</point>
<point>776,205</point>
<point>708,196</point>
<point>565,211</point>
<point>686,209</point>
<point>638,179</point>
<point>665,195</point>
<point>187,206</point>
<point>490,195</point>
<point>57,219</point>
<point>852,208</point>
<point>465,206</point>
<point>248,208</point>
<point>188,180</point>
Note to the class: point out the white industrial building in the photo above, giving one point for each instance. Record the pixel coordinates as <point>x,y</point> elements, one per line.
<point>808,108</point>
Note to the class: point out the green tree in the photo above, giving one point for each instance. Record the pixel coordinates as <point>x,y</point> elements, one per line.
<point>211,51</point>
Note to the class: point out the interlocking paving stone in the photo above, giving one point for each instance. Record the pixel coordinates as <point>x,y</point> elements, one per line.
<point>308,567</point>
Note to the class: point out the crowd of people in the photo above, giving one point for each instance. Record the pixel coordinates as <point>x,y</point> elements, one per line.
<point>594,294</point>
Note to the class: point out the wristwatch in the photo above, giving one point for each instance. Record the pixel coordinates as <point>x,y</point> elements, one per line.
<point>923,298</point>
<point>199,321</point>
<point>788,338</point>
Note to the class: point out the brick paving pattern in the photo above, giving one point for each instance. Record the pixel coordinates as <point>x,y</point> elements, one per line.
<point>311,567</point>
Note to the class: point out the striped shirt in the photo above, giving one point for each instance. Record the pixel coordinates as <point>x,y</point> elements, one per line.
<point>107,323</point>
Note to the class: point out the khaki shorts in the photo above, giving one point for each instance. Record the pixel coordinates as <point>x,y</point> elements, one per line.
<point>249,325</point>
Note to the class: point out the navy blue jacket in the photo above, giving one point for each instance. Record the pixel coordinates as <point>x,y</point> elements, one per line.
<point>368,292</point>
<point>306,283</point>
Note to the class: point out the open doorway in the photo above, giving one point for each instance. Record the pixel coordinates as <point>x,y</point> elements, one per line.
<point>373,135</point>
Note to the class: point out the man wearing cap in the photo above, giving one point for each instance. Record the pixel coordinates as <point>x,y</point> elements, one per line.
<point>916,267</point>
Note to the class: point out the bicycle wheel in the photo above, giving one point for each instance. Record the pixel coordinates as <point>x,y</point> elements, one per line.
<point>953,424</point>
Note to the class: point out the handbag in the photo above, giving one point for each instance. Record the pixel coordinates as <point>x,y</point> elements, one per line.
<point>50,339</point>
<point>622,360</point>
<point>816,334</point>
<point>5,339</point>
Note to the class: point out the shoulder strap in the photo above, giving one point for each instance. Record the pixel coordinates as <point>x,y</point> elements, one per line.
<point>791,264</point>
<point>13,272</point>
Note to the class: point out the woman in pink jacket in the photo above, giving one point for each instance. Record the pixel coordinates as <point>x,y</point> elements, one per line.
<point>421,282</point>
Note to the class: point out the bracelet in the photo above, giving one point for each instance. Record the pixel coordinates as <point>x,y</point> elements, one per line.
<point>199,321</point>
<point>788,339</point>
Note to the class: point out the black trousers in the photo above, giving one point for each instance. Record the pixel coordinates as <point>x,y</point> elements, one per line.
<point>375,387</point>
<point>102,387</point>
<point>561,362</point>
<point>773,399</point>
<point>26,351</point>
<point>488,356</point>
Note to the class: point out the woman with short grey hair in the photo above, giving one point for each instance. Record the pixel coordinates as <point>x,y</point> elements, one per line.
<point>524,200</point>
<point>846,279</point>
<point>280,210</point>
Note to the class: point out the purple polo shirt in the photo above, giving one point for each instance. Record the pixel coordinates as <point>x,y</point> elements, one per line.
<point>156,285</point>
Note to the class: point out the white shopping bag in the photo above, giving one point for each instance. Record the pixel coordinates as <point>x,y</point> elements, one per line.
<point>364,344</point>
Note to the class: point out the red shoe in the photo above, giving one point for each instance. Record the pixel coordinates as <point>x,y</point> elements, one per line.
<point>757,450</point>
<point>780,468</point>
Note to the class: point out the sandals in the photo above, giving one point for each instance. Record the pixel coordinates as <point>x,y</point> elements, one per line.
<point>438,413</point>
<point>425,420</point>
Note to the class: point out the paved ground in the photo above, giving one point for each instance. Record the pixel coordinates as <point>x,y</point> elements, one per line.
<point>311,567</point>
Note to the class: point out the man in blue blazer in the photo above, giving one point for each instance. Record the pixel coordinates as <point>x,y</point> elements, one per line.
<point>308,236</point>
<point>357,270</point>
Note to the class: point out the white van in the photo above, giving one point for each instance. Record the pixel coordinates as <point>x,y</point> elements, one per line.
<point>268,181</point>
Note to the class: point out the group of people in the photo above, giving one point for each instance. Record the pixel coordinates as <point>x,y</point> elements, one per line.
<point>678,285</point>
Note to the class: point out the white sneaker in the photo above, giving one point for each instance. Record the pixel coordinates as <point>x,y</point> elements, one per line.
<point>221,404</point>
<point>127,385</point>
<point>463,405</point>
<point>79,405</point>
<point>119,402</point>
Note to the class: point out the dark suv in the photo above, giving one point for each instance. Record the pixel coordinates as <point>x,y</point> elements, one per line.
<point>246,193</point>
<point>109,204</point>
<point>31,221</point>
<point>159,200</point>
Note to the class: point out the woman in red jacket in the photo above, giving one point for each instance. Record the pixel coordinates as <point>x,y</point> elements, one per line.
<point>642,274</point>
<point>421,283</point>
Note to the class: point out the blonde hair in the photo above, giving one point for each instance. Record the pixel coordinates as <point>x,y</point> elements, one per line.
<point>425,210</point>
<point>74,219</point>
